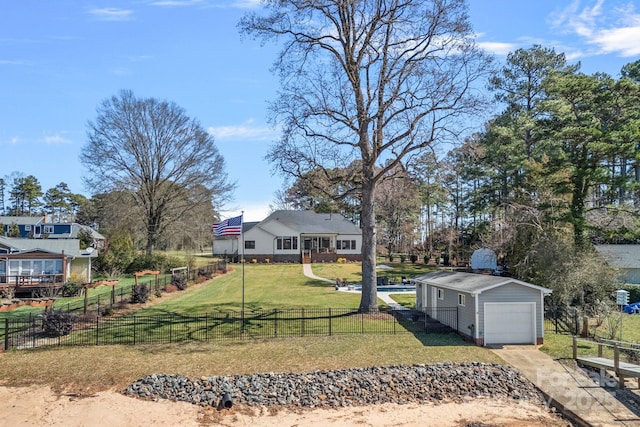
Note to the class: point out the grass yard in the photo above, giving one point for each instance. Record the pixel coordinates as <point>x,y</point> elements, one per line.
<point>101,368</point>
<point>267,286</point>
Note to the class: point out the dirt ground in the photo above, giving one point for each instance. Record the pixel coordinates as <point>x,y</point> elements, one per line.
<point>41,406</point>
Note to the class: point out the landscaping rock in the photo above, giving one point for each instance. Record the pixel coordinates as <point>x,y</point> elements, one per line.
<point>348,387</point>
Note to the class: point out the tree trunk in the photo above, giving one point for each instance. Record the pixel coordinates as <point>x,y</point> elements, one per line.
<point>369,298</point>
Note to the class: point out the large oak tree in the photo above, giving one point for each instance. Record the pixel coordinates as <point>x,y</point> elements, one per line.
<point>375,82</point>
<point>152,150</point>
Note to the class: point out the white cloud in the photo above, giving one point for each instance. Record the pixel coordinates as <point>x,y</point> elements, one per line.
<point>497,48</point>
<point>55,139</point>
<point>624,40</point>
<point>608,29</point>
<point>112,14</point>
<point>243,131</point>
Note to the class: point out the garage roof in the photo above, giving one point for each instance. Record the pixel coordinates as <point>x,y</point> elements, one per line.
<point>470,282</point>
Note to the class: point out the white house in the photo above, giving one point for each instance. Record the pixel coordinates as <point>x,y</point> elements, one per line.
<point>487,309</point>
<point>625,258</point>
<point>295,236</point>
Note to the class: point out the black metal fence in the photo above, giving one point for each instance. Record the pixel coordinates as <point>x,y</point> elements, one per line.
<point>563,320</point>
<point>440,319</point>
<point>21,333</point>
<point>99,301</point>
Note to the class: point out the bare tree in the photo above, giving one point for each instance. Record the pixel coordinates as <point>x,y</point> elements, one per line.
<point>374,82</point>
<point>153,151</point>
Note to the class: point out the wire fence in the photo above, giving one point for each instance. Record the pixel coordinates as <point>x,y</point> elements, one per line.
<point>22,333</point>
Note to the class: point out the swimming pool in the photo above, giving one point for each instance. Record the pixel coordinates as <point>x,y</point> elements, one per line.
<point>391,288</point>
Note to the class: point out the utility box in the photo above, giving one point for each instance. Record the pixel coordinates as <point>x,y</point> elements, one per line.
<point>622,297</point>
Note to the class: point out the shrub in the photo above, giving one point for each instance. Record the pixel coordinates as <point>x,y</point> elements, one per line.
<point>426,259</point>
<point>342,260</point>
<point>179,281</point>
<point>402,257</point>
<point>140,294</point>
<point>156,261</point>
<point>413,258</point>
<point>390,257</point>
<point>71,289</point>
<point>107,311</point>
<point>57,323</point>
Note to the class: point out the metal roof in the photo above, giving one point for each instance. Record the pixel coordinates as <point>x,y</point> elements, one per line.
<point>470,282</point>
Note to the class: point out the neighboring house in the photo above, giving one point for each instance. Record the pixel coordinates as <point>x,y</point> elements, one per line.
<point>490,309</point>
<point>295,236</point>
<point>39,228</point>
<point>624,258</point>
<point>31,264</point>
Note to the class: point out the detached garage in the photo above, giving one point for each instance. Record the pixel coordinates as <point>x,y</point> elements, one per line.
<point>490,309</point>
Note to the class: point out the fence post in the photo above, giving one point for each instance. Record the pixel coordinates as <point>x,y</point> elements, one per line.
<point>134,330</point>
<point>575,348</point>
<point>170,328</point>
<point>6,333</point>
<point>329,321</point>
<point>275,323</point>
<point>206,327</point>
<point>302,332</point>
<point>97,329</point>
<point>362,322</point>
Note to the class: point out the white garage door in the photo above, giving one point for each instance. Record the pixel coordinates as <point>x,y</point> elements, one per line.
<point>509,323</point>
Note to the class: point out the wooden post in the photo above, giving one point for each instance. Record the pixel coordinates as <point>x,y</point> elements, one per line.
<point>616,365</point>
<point>599,349</point>
<point>575,347</point>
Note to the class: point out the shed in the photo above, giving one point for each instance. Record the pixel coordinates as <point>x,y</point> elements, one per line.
<point>484,259</point>
<point>488,309</point>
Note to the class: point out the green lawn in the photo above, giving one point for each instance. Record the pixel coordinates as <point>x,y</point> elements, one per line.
<point>267,287</point>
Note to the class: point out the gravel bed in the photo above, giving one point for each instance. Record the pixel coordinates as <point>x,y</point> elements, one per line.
<point>342,388</point>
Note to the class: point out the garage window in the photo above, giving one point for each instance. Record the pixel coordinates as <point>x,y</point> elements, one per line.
<point>461,299</point>
<point>440,293</point>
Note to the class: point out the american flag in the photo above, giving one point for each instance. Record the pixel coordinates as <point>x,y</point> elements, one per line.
<point>228,227</point>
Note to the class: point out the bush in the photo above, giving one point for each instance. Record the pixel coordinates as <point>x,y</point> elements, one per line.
<point>390,257</point>
<point>179,281</point>
<point>71,289</point>
<point>156,261</point>
<point>403,257</point>
<point>413,258</point>
<point>140,294</point>
<point>426,259</point>
<point>57,323</point>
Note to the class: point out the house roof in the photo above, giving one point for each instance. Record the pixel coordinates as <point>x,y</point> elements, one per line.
<point>75,231</point>
<point>311,222</point>
<point>71,247</point>
<point>21,220</point>
<point>620,256</point>
<point>471,283</point>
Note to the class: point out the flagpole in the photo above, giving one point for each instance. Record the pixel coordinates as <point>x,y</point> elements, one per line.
<point>242,261</point>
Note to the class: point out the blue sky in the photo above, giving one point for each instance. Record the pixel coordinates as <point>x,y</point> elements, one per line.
<point>60,59</point>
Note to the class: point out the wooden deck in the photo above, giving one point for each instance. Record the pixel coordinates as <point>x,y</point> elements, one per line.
<point>620,368</point>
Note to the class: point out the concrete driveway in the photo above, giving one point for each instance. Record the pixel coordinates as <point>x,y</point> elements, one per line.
<point>569,389</point>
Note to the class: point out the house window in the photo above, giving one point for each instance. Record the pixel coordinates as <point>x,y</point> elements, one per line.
<point>48,229</point>
<point>346,244</point>
<point>287,243</point>
<point>27,228</point>
<point>440,293</point>
<point>249,244</point>
<point>461,299</point>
